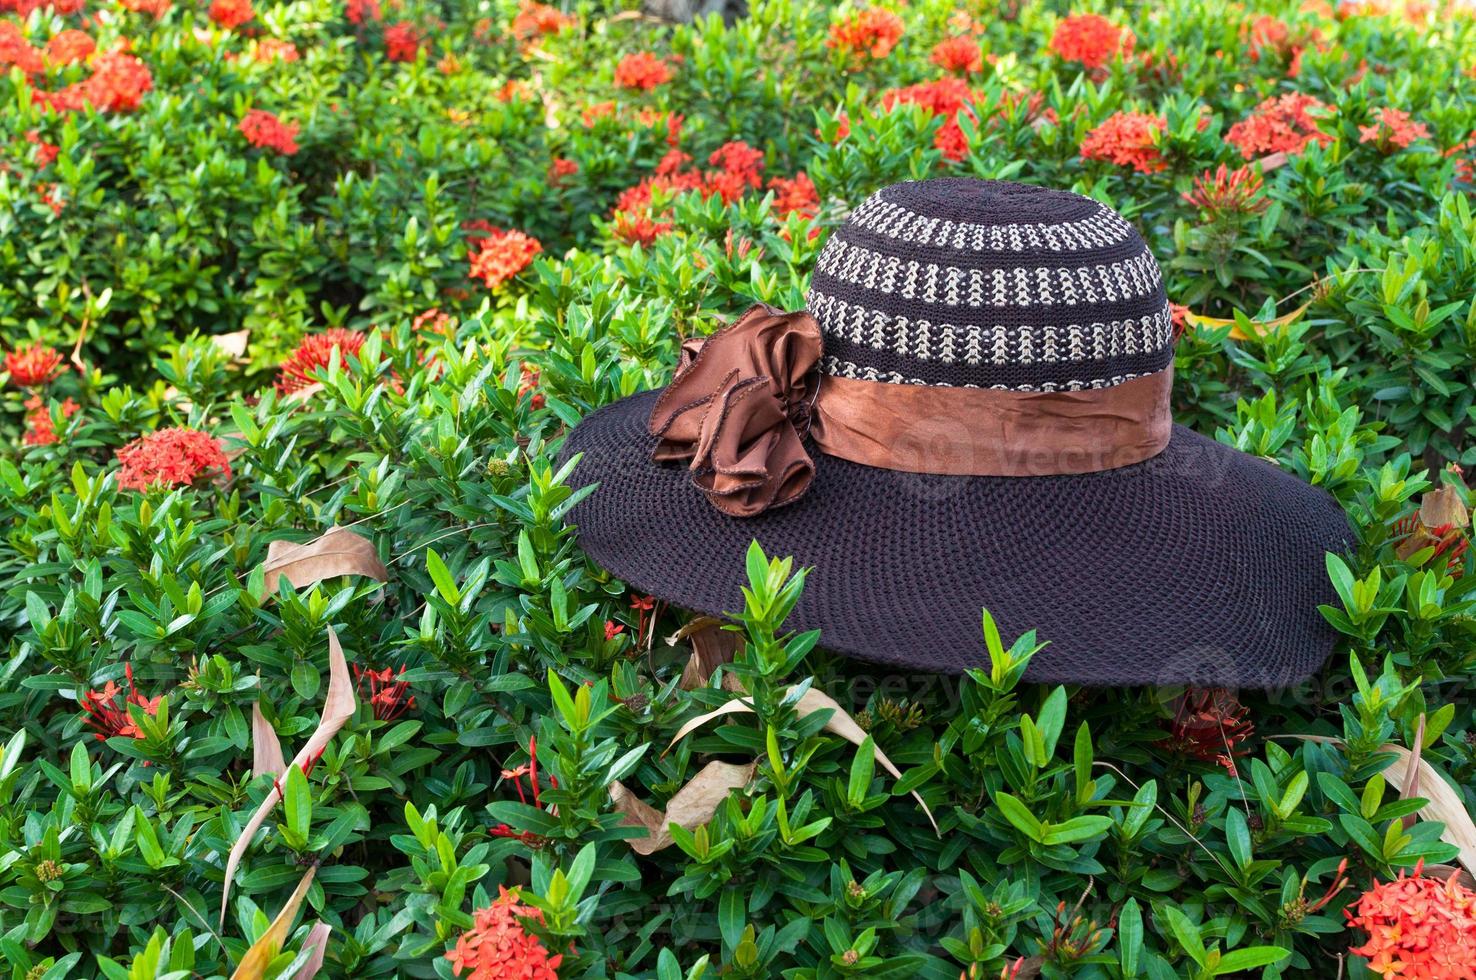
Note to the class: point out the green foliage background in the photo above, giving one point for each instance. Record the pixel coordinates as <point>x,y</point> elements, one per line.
<point>173,229</point>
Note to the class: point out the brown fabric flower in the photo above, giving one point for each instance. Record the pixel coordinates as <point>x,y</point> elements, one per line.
<point>738,409</point>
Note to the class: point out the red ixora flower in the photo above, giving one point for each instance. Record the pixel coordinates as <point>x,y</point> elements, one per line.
<point>1284,124</point>
<point>40,430</point>
<point>313,353</point>
<point>872,33</point>
<point>1090,40</point>
<point>107,714</point>
<point>34,366</point>
<point>1208,724</point>
<point>534,19</point>
<point>69,46</point>
<point>960,54</point>
<point>794,195</point>
<point>16,50</point>
<point>500,255</point>
<point>497,947</point>
<point>118,83</point>
<point>946,97</point>
<point>231,14</point>
<point>559,168</point>
<point>358,11</point>
<point>174,457</point>
<point>263,129</point>
<point>271,49</point>
<point>387,693</point>
<point>642,71</point>
<point>401,42</point>
<point>1226,193</point>
<point>1417,927</point>
<point>154,8</point>
<point>1127,139</point>
<point>1391,130</point>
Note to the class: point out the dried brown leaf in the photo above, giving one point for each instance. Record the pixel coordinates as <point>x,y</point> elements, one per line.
<point>1443,506</point>
<point>317,941</point>
<point>712,647</point>
<point>338,551</point>
<point>338,707</point>
<point>840,723</point>
<point>1259,328</point>
<point>1444,803</point>
<point>253,965</point>
<point>266,748</point>
<point>692,806</point>
<point>233,343</point>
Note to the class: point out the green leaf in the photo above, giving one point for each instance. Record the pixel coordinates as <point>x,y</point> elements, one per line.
<point>297,803</point>
<point>1249,958</point>
<point>1129,937</point>
<point>1018,814</point>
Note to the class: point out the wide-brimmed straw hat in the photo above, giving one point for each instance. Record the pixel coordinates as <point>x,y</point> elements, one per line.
<point>972,413</point>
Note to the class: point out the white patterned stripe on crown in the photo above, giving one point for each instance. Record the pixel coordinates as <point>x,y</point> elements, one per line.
<point>1102,230</point>
<point>1019,287</point>
<point>997,345</point>
<point>836,367</point>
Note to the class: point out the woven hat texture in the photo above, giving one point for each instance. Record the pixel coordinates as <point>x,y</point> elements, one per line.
<point>1201,565</point>
<point>989,284</point>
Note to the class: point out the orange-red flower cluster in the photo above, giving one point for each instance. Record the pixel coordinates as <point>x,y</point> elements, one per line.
<point>263,129</point>
<point>960,54</point>
<point>389,696</point>
<point>1090,40</point>
<point>499,255</point>
<point>1418,928</point>
<point>231,14</point>
<point>1128,139</point>
<point>270,49</point>
<point>738,169</point>
<point>535,18</point>
<point>108,716</point>
<point>40,430</point>
<point>16,50</point>
<point>154,8</point>
<point>1392,130</point>
<point>1225,193</point>
<point>1267,36</point>
<point>174,457</point>
<point>872,32</point>
<point>117,84</point>
<point>642,71</point>
<point>794,195</point>
<point>69,46</point>
<point>359,11</point>
<point>559,168</point>
<point>497,946</point>
<point>401,42</point>
<point>945,97</point>
<point>1284,124</point>
<point>1208,724</point>
<point>34,365</point>
<point>314,353</point>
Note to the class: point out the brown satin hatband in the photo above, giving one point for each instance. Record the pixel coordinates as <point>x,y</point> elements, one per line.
<point>989,432</point>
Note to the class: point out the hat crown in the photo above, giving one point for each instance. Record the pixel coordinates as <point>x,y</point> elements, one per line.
<point>989,284</point>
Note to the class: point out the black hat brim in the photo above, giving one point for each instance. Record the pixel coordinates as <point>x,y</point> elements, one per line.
<point>1203,565</point>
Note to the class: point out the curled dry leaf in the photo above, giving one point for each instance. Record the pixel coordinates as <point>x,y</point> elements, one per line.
<point>338,551</point>
<point>840,723</point>
<point>253,965</point>
<point>1444,803</point>
<point>1441,518</point>
<point>316,946</point>
<point>233,343</point>
<point>266,749</point>
<point>1259,328</point>
<point>712,647</point>
<point>692,806</point>
<point>338,707</point>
